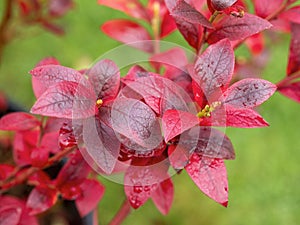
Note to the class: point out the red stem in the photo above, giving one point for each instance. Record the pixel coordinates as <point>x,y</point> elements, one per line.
<point>122,213</point>
<point>288,79</point>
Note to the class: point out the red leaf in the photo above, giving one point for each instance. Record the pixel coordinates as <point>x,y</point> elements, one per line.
<point>47,75</point>
<point>266,8</point>
<point>47,61</point>
<point>102,144</point>
<point>292,14</point>
<point>128,32</point>
<point>10,216</point>
<point>186,12</point>
<point>50,142</point>
<point>235,28</point>
<point>160,93</point>
<point>18,121</point>
<point>291,91</point>
<point>140,182</point>
<point>168,25</point>
<point>105,78</point>
<point>294,55</point>
<point>60,7</point>
<point>179,156</point>
<point>40,178</point>
<point>92,192</point>
<point>66,99</point>
<point>207,142</point>
<point>248,93</point>
<point>5,171</point>
<point>66,137</point>
<point>136,121</point>
<point>131,7</point>
<point>175,122</point>
<point>73,173</point>
<point>41,199</point>
<point>220,5</point>
<point>213,69</point>
<point>163,196</point>
<point>39,156</point>
<point>210,176</point>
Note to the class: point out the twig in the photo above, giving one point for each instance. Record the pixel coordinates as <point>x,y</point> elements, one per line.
<point>122,213</point>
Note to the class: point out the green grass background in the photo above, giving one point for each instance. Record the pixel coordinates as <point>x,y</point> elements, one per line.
<point>264,179</point>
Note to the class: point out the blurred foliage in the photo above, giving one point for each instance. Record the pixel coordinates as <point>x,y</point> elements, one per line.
<point>264,179</point>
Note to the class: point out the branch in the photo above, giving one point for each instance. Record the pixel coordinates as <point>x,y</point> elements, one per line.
<point>122,213</point>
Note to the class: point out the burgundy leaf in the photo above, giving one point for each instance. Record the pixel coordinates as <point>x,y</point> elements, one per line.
<point>66,99</point>
<point>128,32</point>
<point>210,176</point>
<point>213,69</point>
<point>131,7</point>
<point>105,78</point>
<point>18,121</point>
<point>294,55</point>
<point>291,91</point>
<point>266,8</point>
<point>41,199</point>
<point>59,7</point>
<point>186,12</point>
<point>248,93</point>
<point>73,173</point>
<point>160,93</point>
<point>45,76</point>
<point>136,72</point>
<point>92,192</point>
<point>235,28</point>
<point>140,182</point>
<point>136,121</point>
<point>207,142</point>
<point>102,144</point>
<point>220,5</point>
<point>163,196</point>
<point>10,216</point>
<point>175,122</point>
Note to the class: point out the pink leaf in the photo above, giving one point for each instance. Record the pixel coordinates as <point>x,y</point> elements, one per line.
<point>41,199</point>
<point>294,55</point>
<point>179,156</point>
<point>128,32</point>
<point>291,91</point>
<point>92,192</point>
<point>220,5</point>
<point>136,121</point>
<point>235,28</point>
<point>292,14</point>
<point>45,76</point>
<point>66,99</point>
<point>186,12</point>
<point>59,7</point>
<point>131,7</point>
<point>50,142</point>
<point>18,121</point>
<point>105,78</point>
<point>175,122</point>
<point>266,8</point>
<point>5,171</point>
<point>160,93</point>
<point>10,216</point>
<point>39,156</point>
<point>47,61</point>
<point>207,142</point>
<point>248,93</point>
<point>163,196</point>
<point>102,144</point>
<point>213,69</point>
<point>210,176</point>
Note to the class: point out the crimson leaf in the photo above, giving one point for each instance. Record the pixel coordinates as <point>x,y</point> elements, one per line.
<point>207,142</point>
<point>163,196</point>
<point>102,145</point>
<point>222,4</point>
<point>186,12</point>
<point>291,91</point>
<point>92,192</point>
<point>45,76</point>
<point>131,7</point>
<point>235,28</point>
<point>213,69</point>
<point>41,199</point>
<point>105,78</point>
<point>128,32</point>
<point>175,122</point>
<point>210,176</point>
<point>294,55</point>
<point>248,93</point>
<point>66,99</point>
<point>18,121</point>
<point>136,121</point>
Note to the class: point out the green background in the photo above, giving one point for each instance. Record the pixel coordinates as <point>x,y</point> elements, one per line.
<point>264,179</point>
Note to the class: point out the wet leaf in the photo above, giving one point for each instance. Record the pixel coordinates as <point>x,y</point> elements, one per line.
<point>220,5</point>
<point>18,121</point>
